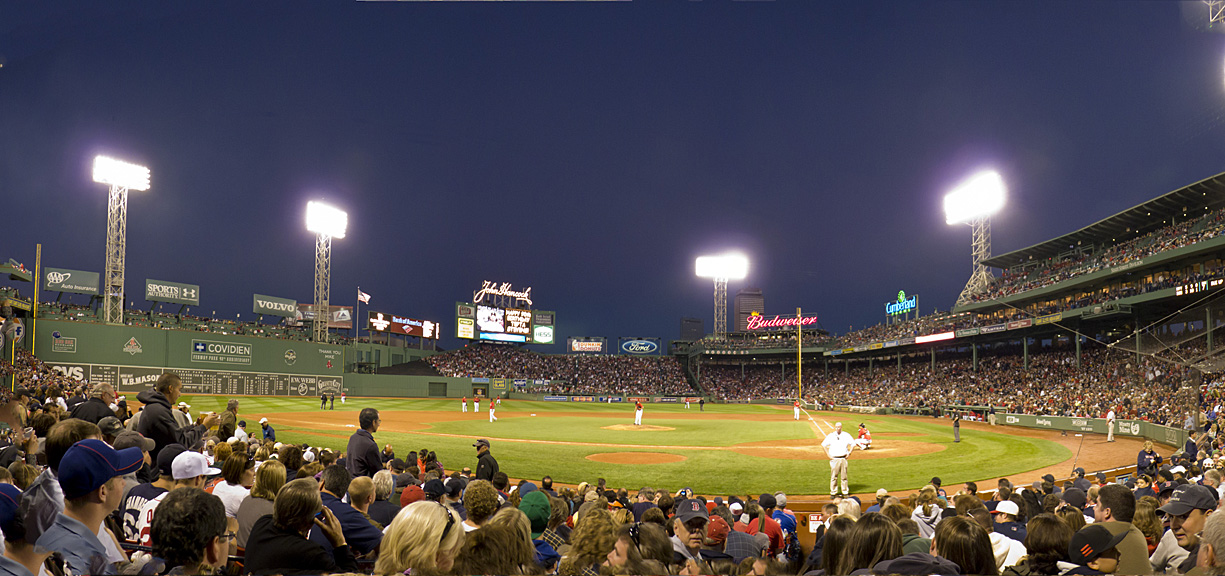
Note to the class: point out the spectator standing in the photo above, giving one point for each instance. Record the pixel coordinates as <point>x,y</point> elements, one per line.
<point>98,406</point>
<point>158,421</point>
<point>363,452</point>
<point>486,465</point>
<point>240,432</point>
<point>838,446</point>
<point>229,420</point>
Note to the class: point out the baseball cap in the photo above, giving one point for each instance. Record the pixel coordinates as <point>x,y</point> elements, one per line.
<point>481,442</point>
<point>411,494</point>
<point>881,493</point>
<point>1049,478</point>
<point>1075,497</point>
<point>191,464</point>
<point>10,501</point>
<point>780,499</point>
<point>1007,507</point>
<point>531,487</point>
<point>936,481</point>
<point>536,506</point>
<point>263,420</point>
<point>716,531</point>
<point>455,487</point>
<point>687,510</point>
<point>184,405</point>
<point>1189,497</point>
<point>1091,541</point>
<point>434,489</point>
<point>397,464</point>
<point>736,507</point>
<point>90,463</point>
<point>130,438</point>
<point>242,423</point>
<point>111,426</point>
<point>166,457</point>
<point>767,501</point>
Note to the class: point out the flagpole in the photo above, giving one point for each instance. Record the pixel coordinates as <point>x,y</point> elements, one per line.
<point>357,316</point>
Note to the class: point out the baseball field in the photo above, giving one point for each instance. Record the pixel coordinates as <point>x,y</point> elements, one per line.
<point>725,449</point>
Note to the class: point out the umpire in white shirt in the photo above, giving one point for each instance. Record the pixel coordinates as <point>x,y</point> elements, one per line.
<point>838,447</point>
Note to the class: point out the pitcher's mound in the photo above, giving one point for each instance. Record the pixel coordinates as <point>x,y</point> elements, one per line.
<point>636,457</point>
<point>642,428</point>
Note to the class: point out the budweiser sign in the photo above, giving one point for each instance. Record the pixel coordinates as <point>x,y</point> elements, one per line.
<point>759,322</point>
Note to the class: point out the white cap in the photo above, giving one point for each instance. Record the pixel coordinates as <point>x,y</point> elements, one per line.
<point>191,464</point>
<point>736,507</point>
<point>1178,469</point>
<point>308,456</point>
<point>184,404</point>
<point>263,420</point>
<point>1007,507</point>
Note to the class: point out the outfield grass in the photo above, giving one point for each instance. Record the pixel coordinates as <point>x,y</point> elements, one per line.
<point>978,456</point>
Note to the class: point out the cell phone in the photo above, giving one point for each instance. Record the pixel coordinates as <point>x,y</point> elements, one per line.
<point>321,516</point>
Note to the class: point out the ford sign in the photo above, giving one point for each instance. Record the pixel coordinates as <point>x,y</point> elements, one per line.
<point>639,347</point>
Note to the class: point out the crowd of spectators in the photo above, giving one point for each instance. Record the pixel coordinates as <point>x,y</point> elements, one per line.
<point>581,374</point>
<point>1059,269</point>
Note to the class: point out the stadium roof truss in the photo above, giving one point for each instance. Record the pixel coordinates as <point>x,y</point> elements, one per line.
<point>1190,201</point>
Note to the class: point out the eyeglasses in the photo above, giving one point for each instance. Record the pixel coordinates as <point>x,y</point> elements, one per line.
<point>635,529</point>
<point>450,521</point>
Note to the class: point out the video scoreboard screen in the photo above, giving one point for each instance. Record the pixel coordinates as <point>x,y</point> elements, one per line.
<point>495,323</point>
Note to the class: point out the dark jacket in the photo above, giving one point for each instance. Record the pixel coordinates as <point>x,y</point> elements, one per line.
<point>273,550</point>
<point>363,455</point>
<point>229,422</point>
<point>916,563</point>
<point>92,410</point>
<point>486,467</point>
<point>159,424</point>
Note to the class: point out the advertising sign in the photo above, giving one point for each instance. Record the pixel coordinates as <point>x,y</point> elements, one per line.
<point>75,281</point>
<point>172,292</point>
<point>758,322</point>
<point>639,346</point>
<point>903,305</point>
<point>274,306</point>
<point>338,316</point>
<point>585,345</point>
<point>380,322</point>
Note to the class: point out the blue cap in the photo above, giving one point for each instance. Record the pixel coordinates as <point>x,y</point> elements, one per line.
<point>10,501</point>
<point>90,463</point>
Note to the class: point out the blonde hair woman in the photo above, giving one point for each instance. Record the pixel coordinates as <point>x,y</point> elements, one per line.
<point>424,536</point>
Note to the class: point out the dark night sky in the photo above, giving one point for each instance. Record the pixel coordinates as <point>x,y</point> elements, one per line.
<point>592,150</point>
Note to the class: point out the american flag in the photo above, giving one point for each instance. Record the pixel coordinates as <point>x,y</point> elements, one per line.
<point>362,296</point>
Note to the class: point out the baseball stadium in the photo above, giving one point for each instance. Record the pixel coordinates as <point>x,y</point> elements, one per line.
<point>1059,360</point>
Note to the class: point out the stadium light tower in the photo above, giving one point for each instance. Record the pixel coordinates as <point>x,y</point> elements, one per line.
<point>721,269</point>
<point>121,177</point>
<point>326,222</point>
<point>973,203</point>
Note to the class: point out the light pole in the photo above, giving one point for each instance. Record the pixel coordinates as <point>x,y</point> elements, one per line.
<point>973,203</point>
<point>326,222</point>
<point>121,177</point>
<point>722,268</point>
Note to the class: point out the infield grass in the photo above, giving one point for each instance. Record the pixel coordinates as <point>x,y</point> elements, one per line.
<point>557,441</point>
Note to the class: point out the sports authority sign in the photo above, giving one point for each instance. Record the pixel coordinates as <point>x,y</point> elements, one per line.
<point>75,281</point>
<point>275,306</point>
<point>173,292</point>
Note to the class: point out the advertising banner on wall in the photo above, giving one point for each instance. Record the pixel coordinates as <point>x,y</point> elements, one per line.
<point>381,322</point>
<point>274,306</point>
<point>172,292</point>
<point>585,345</point>
<point>338,316</point>
<point>75,281</point>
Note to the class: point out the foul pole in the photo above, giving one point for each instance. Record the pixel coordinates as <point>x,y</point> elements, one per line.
<point>799,355</point>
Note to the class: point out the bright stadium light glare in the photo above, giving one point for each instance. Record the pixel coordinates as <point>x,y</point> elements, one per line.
<point>979,197</point>
<point>727,266</point>
<point>327,220</point>
<point>121,174</point>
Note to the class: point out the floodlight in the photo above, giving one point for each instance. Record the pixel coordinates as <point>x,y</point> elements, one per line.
<point>728,266</point>
<point>979,197</point>
<point>120,174</point>
<point>327,220</point>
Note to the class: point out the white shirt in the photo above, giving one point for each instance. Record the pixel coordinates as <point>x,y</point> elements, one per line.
<point>231,496</point>
<point>839,444</point>
<point>1110,416</point>
<point>239,434</point>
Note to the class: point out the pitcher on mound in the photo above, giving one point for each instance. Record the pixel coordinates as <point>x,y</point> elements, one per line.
<point>637,413</point>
